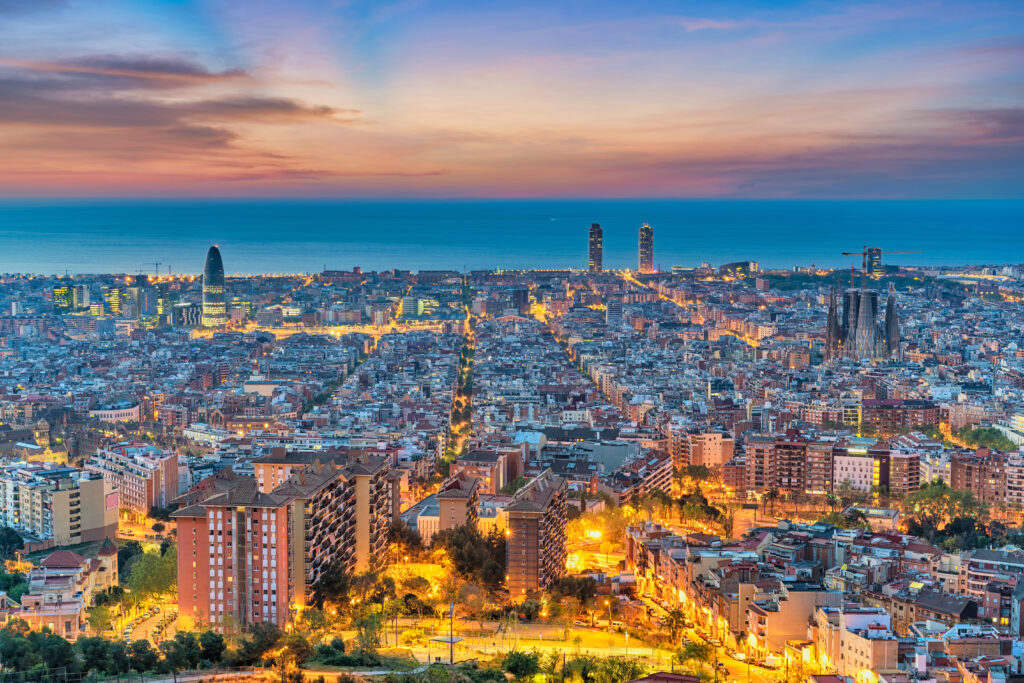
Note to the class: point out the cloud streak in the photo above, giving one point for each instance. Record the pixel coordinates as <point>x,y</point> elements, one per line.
<point>463,99</point>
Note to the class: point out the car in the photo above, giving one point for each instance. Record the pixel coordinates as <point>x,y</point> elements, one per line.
<point>579,622</point>
<point>146,615</point>
<point>155,610</point>
<point>617,624</point>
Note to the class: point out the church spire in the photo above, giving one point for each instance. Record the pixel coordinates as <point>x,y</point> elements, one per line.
<point>892,324</point>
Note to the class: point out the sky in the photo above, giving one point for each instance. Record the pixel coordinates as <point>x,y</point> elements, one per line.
<point>410,98</point>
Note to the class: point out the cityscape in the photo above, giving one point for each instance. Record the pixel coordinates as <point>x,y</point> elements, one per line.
<point>432,341</point>
<point>714,471</point>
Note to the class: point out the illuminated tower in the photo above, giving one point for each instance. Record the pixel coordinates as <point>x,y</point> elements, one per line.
<point>114,295</point>
<point>596,260</point>
<point>214,310</point>
<point>646,249</point>
<point>875,267</point>
<point>63,298</point>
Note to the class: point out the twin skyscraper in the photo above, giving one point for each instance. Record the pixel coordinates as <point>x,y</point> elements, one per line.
<point>645,249</point>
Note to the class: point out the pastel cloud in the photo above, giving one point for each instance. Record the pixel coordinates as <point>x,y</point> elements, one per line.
<point>452,99</point>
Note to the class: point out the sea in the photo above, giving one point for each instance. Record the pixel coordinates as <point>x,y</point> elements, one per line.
<point>291,236</point>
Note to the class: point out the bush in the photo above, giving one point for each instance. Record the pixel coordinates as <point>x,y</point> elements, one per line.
<point>335,654</point>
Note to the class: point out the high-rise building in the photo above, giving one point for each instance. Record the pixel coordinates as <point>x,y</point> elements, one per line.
<point>646,249</point>
<point>535,545</point>
<point>114,297</point>
<point>875,267</point>
<point>215,313</point>
<point>595,262</point>
<point>613,313</point>
<point>63,298</point>
<point>251,549</point>
<point>81,296</point>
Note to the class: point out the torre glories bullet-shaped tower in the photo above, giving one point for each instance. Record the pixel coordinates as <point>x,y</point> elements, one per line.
<point>215,312</point>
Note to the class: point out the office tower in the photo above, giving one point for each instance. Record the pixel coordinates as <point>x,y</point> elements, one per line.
<point>875,267</point>
<point>833,330</point>
<point>535,546</point>
<point>215,313</point>
<point>613,313</point>
<point>595,261</point>
<point>521,299</point>
<point>646,249</point>
<point>114,298</point>
<point>63,298</point>
<point>892,325</point>
<point>81,296</point>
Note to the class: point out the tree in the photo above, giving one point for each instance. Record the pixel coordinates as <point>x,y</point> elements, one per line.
<point>771,496</point>
<point>698,655</point>
<point>212,646</point>
<point>334,584</point>
<point>522,665</point>
<point>10,542</point>
<point>262,638</point>
<point>154,573</point>
<point>583,588</point>
<point>94,652</point>
<point>675,623</point>
<point>125,553</point>
<point>100,618</point>
<point>474,556</point>
<point>118,661</point>
<point>142,656</point>
<point>14,585</point>
<point>402,535</point>
<point>616,670</point>
<point>934,506</point>
<point>183,652</point>
<point>296,649</point>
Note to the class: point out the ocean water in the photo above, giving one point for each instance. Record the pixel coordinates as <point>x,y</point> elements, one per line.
<point>128,236</point>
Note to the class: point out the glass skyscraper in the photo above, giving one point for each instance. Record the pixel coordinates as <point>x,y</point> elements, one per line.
<point>214,309</point>
<point>595,261</point>
<point>646,249</point>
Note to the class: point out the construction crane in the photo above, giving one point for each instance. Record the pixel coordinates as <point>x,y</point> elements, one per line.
<point>872,251</point>
<point>156,267</point>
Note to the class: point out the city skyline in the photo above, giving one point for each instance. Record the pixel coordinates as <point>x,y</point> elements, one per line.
<point>451,99</point>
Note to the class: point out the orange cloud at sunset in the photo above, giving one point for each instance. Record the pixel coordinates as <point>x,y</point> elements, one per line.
<point>447,99</point>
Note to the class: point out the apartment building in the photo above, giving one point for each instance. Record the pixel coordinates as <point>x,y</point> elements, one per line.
<point>488,467</point>
<point>247,555</point>
<point>60,504</point>
<point>535,550</point>
<point>144,476</point>
<point>983,473</point>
